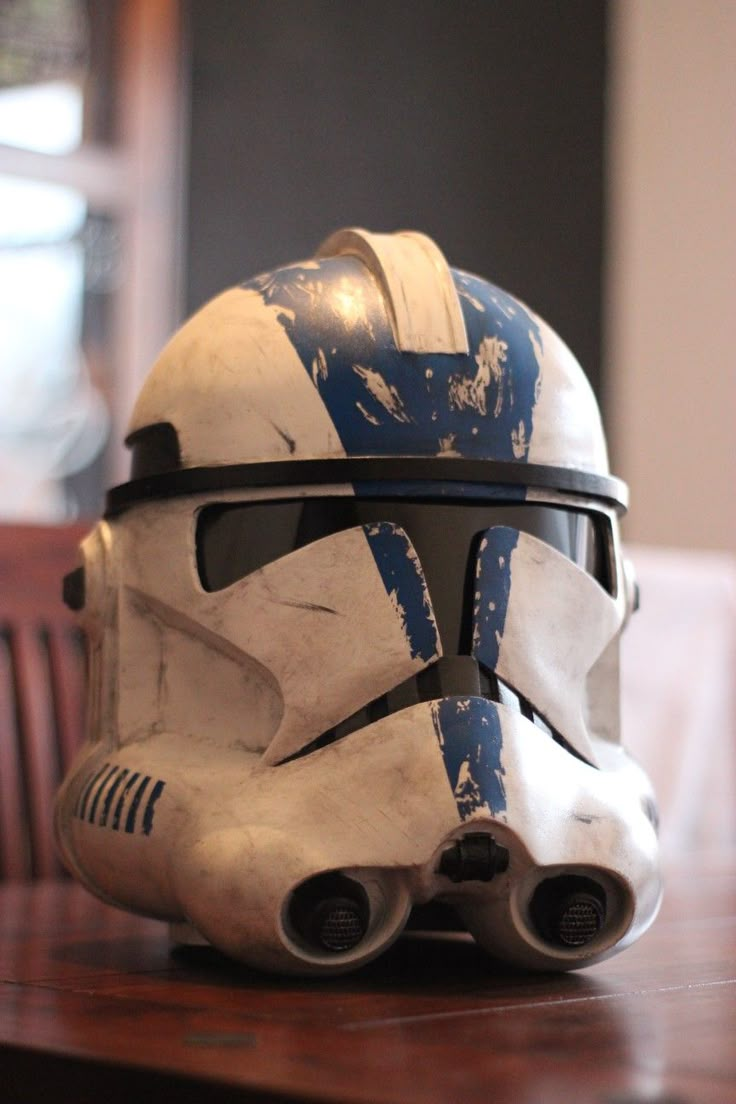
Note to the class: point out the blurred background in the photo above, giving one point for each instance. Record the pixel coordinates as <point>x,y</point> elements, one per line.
<point>579,153</point>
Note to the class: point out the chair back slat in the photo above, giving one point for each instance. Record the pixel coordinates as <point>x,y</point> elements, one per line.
<point>15,844</point>
<point>41,692</point>
<point>39,739</point>
<point>67,667</point>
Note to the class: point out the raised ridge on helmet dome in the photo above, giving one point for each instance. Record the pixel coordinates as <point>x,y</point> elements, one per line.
<point>416,284</point>
<point>303,363</point>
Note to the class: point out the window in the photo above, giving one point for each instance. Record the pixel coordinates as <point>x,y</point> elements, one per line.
<point>90,186</point>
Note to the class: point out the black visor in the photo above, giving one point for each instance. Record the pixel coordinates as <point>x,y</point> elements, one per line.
<point>234,540</point>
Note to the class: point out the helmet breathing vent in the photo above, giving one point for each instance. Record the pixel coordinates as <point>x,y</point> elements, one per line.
<point>330,912</point>
<point>341,926</point>
<point>568,911</point>
<point>580,921</point>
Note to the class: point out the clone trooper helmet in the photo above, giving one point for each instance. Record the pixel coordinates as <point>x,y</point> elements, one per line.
<point>353,630</point>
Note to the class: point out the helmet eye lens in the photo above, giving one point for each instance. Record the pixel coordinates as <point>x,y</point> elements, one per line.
<point>235,539</point>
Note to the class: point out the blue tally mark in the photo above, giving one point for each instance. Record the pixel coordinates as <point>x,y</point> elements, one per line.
<point>113,796</point>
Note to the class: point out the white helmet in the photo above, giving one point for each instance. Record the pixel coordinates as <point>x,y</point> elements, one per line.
<point>353,631</point>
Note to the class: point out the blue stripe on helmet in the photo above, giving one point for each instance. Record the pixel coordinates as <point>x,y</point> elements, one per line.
<point>469,735</point>
<point>387,403</point>
<point>492,590</point>
<point>403,579</point>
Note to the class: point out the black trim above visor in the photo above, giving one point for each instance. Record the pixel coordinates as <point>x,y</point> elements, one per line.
<point>290,473</point>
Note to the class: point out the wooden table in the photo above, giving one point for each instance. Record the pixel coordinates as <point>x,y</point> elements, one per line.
<point>93,1007</point>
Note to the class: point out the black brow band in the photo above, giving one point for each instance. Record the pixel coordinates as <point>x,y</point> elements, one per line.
<point>290,473</point>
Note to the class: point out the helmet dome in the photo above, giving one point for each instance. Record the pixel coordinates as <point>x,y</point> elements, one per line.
<point>375,350</point>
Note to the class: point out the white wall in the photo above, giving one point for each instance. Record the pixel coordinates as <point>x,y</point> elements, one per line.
<point>671,280</point>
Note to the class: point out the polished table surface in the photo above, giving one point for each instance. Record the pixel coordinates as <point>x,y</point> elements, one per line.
<point>94,1007</point>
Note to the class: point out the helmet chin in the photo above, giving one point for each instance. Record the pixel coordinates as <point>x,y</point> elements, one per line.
<point>353,629</point>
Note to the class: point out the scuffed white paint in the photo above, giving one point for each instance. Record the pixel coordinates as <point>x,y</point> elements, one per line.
<point>224,414</point>
<point>566,423</point>
<point>467,790</point>
<point>519,443</point>
<point>506,308</point>
<point>471,393</point>
<point>384,393</point>
<point>349,305</point>
<point>476,303</point>
<point>320,370</point>
<point>447,445</point>
<point>367,415</point>
<point>398,608</point>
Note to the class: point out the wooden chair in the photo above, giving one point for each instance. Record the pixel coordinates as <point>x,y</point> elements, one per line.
<point>41,692</point>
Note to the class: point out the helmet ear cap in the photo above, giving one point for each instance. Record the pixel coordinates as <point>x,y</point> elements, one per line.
<point>154,450</point>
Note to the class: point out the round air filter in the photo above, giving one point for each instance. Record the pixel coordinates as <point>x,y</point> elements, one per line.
<point>330,912</point>
<point>338,924</point>
<point>569,910</point>
<point>579,920</point>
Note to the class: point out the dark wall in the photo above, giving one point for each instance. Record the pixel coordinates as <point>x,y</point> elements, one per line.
<point>479,123</point>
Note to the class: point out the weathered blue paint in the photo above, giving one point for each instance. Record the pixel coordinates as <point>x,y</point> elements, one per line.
<point>492,590</point>
<point>403,579</point>
<point>121,800</point>
<point>98,789</point>
<point>155,794</point>
<point>387,403</point>
<point>137,797</point>
<point>109,788</point>
<point>110,797</point>
<point>469,735</point>
<point>81,807</point>
<point>428,488</point>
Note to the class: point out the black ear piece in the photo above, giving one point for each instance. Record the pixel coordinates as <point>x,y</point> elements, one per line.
<point>73,589</point>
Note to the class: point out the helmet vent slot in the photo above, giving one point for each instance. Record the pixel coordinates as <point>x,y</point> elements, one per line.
<point>569,910</point>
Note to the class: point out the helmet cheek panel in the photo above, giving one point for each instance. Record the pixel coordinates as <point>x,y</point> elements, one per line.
<point>541,624</point>
<point>359,594</point>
